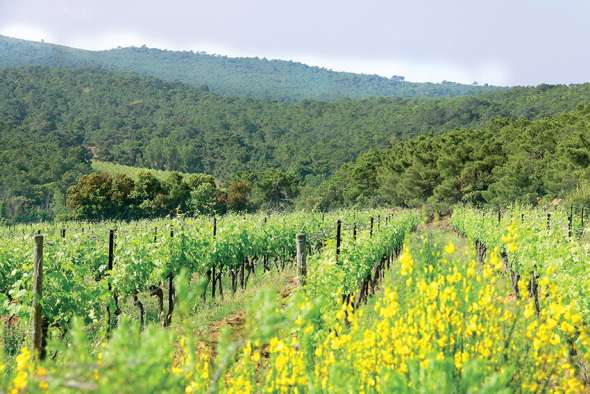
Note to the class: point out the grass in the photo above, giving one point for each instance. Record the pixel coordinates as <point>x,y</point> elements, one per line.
<point>209,315</point>
<point>133,172</point>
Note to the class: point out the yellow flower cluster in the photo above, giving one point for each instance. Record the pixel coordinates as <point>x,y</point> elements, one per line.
<point>26,374</point>
<point>406,263</point>
<point>554,335</point>
<point>99,365</point>
<point>450,248</point>
<point>455,316</point>
<point>243,377</point>
<point>193,367</point>
<point>510,238</point>
<point>23,370</point>
<point>287,369</point>
<point>443,317</point>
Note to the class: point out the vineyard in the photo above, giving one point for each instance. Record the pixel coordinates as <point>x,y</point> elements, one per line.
<point>347,301</point>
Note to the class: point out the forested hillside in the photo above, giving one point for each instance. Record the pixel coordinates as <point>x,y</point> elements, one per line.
<point>251,77</point>
<point>504,162</point>
<point>52,121</point>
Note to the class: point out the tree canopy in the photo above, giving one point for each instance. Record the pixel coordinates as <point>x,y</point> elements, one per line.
<point>53,121</point>
<point>504,162</point>
<point>245,77</point>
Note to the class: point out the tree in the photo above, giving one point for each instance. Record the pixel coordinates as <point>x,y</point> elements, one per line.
<point>274,189</point>
<point>204,199</point>
<point>91,197</point>
<point>122,197</point>
<point>195,180</point>
<point>178,193</point>
<point>238,196</point>
<point>150,195</point>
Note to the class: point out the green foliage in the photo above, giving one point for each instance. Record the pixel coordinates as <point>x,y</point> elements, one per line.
<point>252,77</point>
<point>238,196</point>
<point>37,168</point>
<point>530,245</point>
<point>115,169</point>
<point>434,323</point>
<point>204,199</point>
<point>101,196</point>
<point>501,163</point>
<point>273,190</point>
<point>133,360</point>
<point>63,117</point>
<point>76,280</point>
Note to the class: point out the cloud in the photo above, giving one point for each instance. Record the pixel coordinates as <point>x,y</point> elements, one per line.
<point>434,71</point>
<point>415,70</point>
<point>26,32</point>
<point>109,40</point>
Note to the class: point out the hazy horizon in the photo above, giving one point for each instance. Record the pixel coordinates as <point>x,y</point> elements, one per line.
<point>503,43</point>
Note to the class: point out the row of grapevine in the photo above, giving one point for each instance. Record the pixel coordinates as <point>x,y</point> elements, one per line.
<point>87,276</point>
<point>361,263</point>
<point>439,323</point>
<point>538,250</point>
<point>351,251</point>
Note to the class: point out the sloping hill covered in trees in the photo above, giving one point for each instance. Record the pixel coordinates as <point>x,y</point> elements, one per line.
<point>504,162</point>
<point>53,120</point>
<point>251,77</point>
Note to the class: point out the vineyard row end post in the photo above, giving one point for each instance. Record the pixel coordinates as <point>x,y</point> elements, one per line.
<point>37,294</point>
<point>301,257</point>
<point>338,238</point>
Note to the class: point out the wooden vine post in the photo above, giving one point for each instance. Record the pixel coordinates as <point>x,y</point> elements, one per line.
<point>534,292</point>
<point>170,292</point>
<point>38,339</point>
<point>371,228</point>
<point>301,257</point>
<point>338,238</point>
<point>109,269</point>
<point>570,223</point>
<point>213,271</point>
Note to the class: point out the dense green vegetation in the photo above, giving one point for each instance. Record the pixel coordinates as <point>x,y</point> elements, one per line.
<point>252,77</point>
<point>147,194</point>
<point>115,169</point>
<point>500,163</point>
<point>53,121</point>
<point>394,307</point>
<point>148,271</point>
<point>37,169</point>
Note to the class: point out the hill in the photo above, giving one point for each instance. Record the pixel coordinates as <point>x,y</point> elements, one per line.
<point>251,77</point>
<point>53,121</point>
<point>502,163</point>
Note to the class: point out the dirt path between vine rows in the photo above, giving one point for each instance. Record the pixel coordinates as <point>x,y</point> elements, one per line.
<point>444,227</point>
<point>237,320</point>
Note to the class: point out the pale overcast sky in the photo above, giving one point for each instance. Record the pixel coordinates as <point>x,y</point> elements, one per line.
<point>496,41</point>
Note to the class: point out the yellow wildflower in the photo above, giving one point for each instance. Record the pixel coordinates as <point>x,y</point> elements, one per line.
<point>450,248</point>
